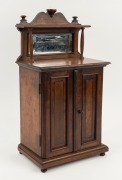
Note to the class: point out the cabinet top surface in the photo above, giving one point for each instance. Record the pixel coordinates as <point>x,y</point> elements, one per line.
<point>65,63</point>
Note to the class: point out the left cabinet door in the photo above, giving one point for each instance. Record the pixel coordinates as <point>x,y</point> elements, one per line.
<point>57,113</point>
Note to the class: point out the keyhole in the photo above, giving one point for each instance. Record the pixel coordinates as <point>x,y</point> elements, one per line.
<point>79,111</point>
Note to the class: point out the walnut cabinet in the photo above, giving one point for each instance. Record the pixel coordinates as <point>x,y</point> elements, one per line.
<point>60,92</point>
<point>61,114</point>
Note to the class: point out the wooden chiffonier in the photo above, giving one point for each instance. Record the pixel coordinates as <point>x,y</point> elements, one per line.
<point>60,92</point>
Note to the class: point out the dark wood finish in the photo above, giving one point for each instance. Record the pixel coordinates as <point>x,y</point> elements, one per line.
<point>30,45</point>
<point>49,22</point>
<point>82,43</point>
<point>75,20</point>
<point>57,115</point>
<point>43,170</point>
<point>23,44</point>
<point>88,106</point>
<point>51,12</point>
<point>62,159</point>
<point>60,97</point>
<point>102,154</point>
<point>30,113</point>
<point>57,64</point>
<point>48,128</point>
<point>45,20</point>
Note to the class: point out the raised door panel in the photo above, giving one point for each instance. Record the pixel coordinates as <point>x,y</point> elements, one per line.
<point>88,105</point>
<point>57,114</point>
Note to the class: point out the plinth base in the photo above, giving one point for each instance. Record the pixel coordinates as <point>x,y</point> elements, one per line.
<point>44,164</point>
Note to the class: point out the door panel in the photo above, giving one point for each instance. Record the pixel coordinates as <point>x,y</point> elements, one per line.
<point>57,114</point>
<point>87,111</point>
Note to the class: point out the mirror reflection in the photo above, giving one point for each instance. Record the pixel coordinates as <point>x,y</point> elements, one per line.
<point>52,43</point>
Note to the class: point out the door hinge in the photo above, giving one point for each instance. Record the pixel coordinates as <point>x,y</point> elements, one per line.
<point>40,140</point>
<point>39,88</point>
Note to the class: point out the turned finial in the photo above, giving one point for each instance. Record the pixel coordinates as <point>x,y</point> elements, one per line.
<point>51,12</point>
<point>75,19</point>
<point>23,20</point>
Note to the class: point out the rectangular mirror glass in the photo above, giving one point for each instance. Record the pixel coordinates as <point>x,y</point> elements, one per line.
<point>52,43</point>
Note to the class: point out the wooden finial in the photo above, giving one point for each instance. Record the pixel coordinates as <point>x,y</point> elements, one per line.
<point>51,12</point>
<point>23,20</point>
<point>75,20</point>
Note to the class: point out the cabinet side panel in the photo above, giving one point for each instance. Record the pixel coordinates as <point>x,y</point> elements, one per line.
<point>29,105</point>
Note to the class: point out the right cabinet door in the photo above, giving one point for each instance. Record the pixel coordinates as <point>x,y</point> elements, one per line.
<point>88,107</point>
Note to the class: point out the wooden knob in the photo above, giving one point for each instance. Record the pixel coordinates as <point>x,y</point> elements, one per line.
<point>79,111</point>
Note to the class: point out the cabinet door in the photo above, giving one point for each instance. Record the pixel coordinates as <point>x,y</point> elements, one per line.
<point>57,121</point>
<point>88,105</point>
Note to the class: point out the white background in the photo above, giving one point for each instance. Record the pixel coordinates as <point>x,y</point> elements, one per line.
<point>102,41</point>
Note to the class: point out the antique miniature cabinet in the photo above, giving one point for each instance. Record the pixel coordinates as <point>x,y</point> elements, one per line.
<point>60,92</point>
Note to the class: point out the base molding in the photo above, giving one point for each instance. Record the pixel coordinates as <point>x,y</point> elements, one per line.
<point>65,158</point>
